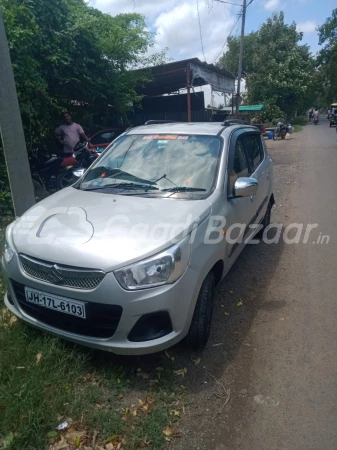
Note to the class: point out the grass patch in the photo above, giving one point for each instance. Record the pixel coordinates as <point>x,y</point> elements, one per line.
<point>298,128</point>
<point>45,380</point>
<point>300,120</point>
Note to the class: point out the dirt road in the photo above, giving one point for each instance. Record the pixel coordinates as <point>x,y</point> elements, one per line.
<point>274,336</point>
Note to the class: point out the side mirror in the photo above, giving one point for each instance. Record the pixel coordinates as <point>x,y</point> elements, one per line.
<point>245,187</point>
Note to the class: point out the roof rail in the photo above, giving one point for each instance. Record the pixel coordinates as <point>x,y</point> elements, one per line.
<point>228,123</point>
<point>154,122</point>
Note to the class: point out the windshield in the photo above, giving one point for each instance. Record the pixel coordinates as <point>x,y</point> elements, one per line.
<point>156,164</point>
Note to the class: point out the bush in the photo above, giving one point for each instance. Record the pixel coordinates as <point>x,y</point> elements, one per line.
<point>270,115</point>
<point>6,205</point>
<point>300,120</point>
<point>298,128</point>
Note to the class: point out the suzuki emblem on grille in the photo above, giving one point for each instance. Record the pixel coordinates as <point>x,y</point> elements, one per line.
<point>55,275</point>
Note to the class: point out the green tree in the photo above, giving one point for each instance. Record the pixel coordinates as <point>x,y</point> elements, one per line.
<point>327,61</point>
<point>230,59</point>
<point>67,55</point>
<point>279,72</point>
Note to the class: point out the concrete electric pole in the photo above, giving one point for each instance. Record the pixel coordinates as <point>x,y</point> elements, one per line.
<point>12,135</point>
<point>244,9</point>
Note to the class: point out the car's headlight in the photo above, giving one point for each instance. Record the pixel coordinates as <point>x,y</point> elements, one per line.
<point>164,268</point>
<point>8,248</point>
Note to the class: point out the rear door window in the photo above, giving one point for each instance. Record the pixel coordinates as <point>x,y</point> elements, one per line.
<point>254,150</point>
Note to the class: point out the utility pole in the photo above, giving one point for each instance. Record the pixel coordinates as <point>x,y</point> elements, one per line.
<point>12,135</point>
<point>244,9</point>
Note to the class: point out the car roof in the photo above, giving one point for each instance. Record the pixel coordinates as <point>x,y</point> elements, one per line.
<point>202,128</point>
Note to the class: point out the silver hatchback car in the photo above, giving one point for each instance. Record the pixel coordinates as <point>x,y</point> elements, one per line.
<point>128,258</point>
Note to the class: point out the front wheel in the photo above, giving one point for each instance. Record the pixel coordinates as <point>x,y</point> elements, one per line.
<point>202,318</point>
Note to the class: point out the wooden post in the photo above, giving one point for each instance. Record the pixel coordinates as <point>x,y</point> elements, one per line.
<point>188,81</point>
<point>12,135</point>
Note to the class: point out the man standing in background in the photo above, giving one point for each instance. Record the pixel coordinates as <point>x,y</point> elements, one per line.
<point>69,134</point>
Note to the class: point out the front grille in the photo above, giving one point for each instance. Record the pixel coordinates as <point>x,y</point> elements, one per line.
<point>61,275</point>
<point>101,320</point>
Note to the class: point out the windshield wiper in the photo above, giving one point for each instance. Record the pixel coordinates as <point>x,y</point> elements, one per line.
<point>123,186</point>
<point>115,173</point>
<point>184,189</point>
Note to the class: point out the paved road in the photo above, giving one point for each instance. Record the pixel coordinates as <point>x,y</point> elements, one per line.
<point>278,351</point>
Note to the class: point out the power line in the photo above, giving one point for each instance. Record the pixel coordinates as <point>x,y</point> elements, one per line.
<point>229,35</point>
<point>201,40</point>
<point>231,32</point>
<point>228,3</point>
<point>235,4</point>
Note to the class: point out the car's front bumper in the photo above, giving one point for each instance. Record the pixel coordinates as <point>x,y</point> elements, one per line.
<point>177,299</point>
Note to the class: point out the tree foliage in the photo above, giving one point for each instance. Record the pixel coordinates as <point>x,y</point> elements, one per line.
<point>327,60</point>
<point>278,70</point>
<point>230,59</point>
<point>67,55</point>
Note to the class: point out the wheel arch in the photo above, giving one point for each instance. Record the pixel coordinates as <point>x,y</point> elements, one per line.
<point>217,271</point>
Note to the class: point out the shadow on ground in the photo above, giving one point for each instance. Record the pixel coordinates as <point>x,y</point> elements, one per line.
<point>243,292</point>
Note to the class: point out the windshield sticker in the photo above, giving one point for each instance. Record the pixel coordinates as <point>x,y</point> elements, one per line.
<point>182,138</point>
<point>161,137</point>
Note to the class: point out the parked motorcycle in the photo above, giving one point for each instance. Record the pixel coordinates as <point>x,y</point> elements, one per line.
<point>84,157</point>
<point>281,130</point>
<point>48,171</point>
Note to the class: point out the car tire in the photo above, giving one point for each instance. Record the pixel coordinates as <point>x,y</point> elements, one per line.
<point>200,328</point>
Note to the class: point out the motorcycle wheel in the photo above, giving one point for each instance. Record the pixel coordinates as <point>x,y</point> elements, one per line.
<point>65,179</point>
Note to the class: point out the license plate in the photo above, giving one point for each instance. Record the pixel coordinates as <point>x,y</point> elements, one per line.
<point>60,304</point>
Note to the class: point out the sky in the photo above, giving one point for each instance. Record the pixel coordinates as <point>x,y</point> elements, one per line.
<point>176,22</point>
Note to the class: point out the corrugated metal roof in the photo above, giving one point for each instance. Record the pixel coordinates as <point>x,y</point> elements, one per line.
<point>251,108</point>
<point>171,77</point>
